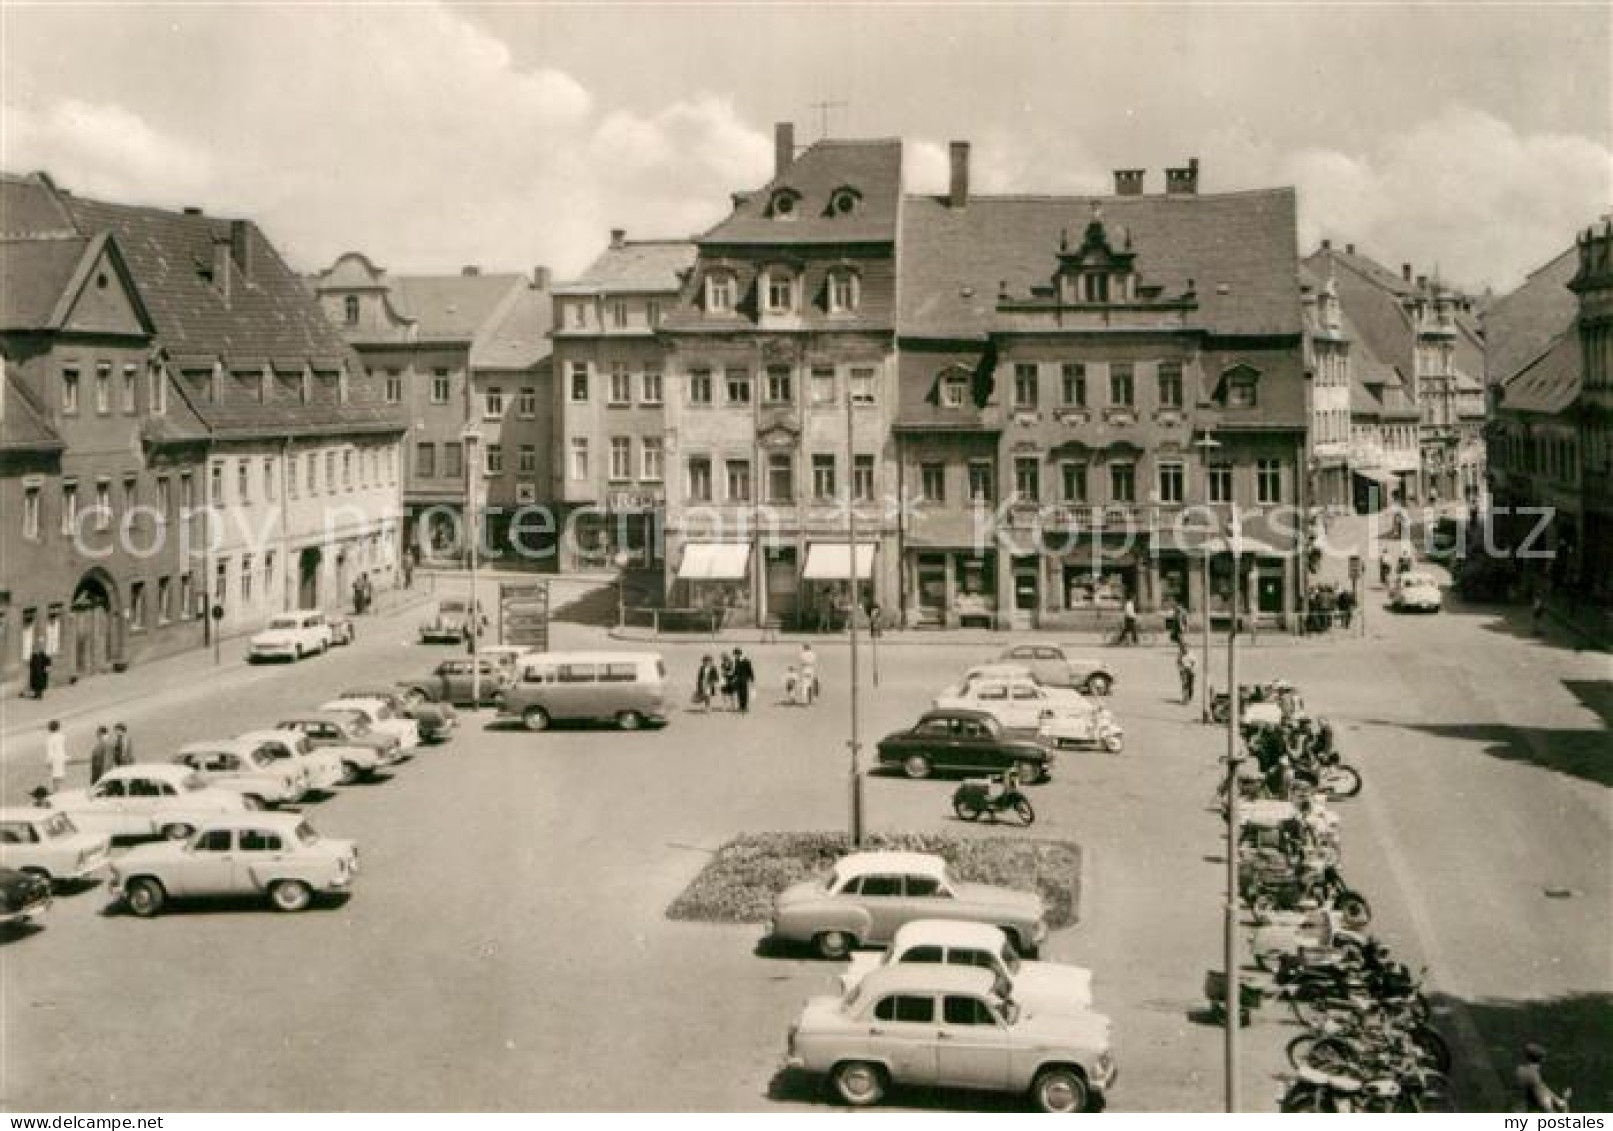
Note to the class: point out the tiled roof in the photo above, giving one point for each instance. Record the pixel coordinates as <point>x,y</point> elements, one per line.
<point>1518,327</point>
<point>23,427</point>
<point>1238,249</point>
<point>33,276</point>
<point>31,210</point>
<point>636,267</point>
<point>1550,383</point>
<point>1281,389</point>
<point>871,168</point>
<point>517,336</point>
<point>451,307</point>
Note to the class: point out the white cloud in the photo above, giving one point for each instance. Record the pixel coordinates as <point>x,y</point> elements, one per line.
<point>100,149</point>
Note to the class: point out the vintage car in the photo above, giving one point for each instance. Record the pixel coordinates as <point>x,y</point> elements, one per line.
<point>960,739</point>
<point>437,721</point>
<point>868,895</point>
<point>951,1027</point>
<point>46,843</point>
<point>447,625</point>
<point>1045,987</point>
<point>1059,716</point>
<point>450,682</point>
<point>342,628</point>
<point>147,799</point>
<point>231,764</point>
<point>382,719</point>
<point>1415,592</point>
<point>1053,666</point>
<point>22,896</point>
<point>508,655</point>
<point>277,855</point>
<point>322,766</point>
<point>347,732</point>
<point>291,636</point>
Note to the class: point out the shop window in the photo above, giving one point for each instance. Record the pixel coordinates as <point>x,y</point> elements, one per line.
<point>1103,586</point>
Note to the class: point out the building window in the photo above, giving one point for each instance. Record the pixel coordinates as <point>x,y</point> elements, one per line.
<point>1170,384</point>
<point>30,513</point>
<point>453,460</point>
<point>621,384</point>
<point>270,491</point>
<point>650,387</point>
<point>70,390</point>
<point>579,457</point>
<point>425,462</point>
<point>1122,483</point>
<point>243,481</point>
<point>130,378</point>
<point>1073,478</point>
<point>699,386</point>
<point>652,459</point>
<point>780,293</point>
<point>526,402</point>
<point>652,313</point>
<point>493,459</point>
<point>103,506</point>
<point>579,314</point>
<point>439,386</point>
<point>621,457</point>
<point>350,310</point>
<point>982,487</point>
<point>700,479</point>
<point>736,384</point>
<point>1027,478</point>
<point>737,475</point>
<point>268,572</point>
<point>719,293</point>
<point>526,460</point>
<point>862,478</point>
<point>215,492</point>
<point>246,578</point>
<point>165,600</point>
<point>579,381</point>
<point>137,606</point>
<point>1269,481</point>
<point>1122,385</point>
<point>103,387</point>
<point>1025,385</point>
<point>69,507</point>
<point>1073,384</point>
<point>823,384</point>
<point>844,292</point>
<point>933,482</point>
<point>159,390</point>
<point>862,386</point>
<point>330,472</point>
<point>1095,287</point>
<point>823,477</point>
<point>1171,482</point>
<point>187,596</point>
<point>780,385</point>
<point>394,386</point>
<point>221,580</point>
<point>493,403</point>
<point>1243,390</point>
<point>954,390</point>
<point>618,314</point>
<point>1218,483</point>
<point>781,477</point>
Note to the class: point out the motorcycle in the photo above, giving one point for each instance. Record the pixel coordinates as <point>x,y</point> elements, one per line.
<point>1314,1091</point>
<point>987,797</point>
<point>1266,889</point>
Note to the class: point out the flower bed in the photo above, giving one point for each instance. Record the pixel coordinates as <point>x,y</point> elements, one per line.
<point>739,883</point>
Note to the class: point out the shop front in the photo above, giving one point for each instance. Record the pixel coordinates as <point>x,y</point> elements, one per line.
<point>714,578</point>
<point>953,588</point>
<point>826,583</point>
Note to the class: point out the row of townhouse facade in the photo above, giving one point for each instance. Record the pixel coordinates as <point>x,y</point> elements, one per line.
<point>182,431</point>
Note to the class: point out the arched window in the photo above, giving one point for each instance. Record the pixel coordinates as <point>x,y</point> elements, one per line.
<point>720,292</point>
<point>780,291</point>
<point>350,309</point>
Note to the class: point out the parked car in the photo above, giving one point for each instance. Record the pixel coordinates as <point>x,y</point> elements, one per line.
<point>450,682</point>
<point>147,799</point>
<point>509,655</point>
<point>437,721</point>
<point>323,767</point>
<point>22,896</point>
<point>953,1027</point>
<point>277,855</point>
<point>1059,716</point>
<point>447,624</point>
<point>382,719</point>
<point>1045,987</point>
<point>348,733</point>
<point>45,843</point>
<point>963,739</point>
<point>1415,592</point>
<point>626,688</point>
<point>1053,666</point>
<point>227,763</point>
<point>291,636</point>
<point>342,628</point>
<point>868,895</point>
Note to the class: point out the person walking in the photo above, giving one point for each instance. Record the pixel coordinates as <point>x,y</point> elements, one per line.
<point>122,746</point>
<point>1187,671</point>
<point>807,663</point>
<point>100,755</point>
<point>56,755</point>
<point>725,672</point>
<point>39,671</point>
<point>705,683</point>
<point>744,676</point>
<point>1128,623</point>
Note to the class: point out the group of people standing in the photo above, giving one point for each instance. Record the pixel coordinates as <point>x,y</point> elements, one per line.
<point>114,747</point>
<point>363,594</point>
<point>726,679</point>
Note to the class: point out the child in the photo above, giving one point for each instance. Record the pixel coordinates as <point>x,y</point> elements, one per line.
<point>792,687</point>
<point>56,756</point>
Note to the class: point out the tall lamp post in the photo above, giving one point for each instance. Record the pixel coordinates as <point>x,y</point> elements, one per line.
<point>1206,444</point>
<point>472,440</point>
<point>1234,817</point>
<point>855,768</point>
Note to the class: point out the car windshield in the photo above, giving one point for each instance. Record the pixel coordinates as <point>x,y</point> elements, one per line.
<point>306,834</point>
<point>284,622</point>
<point>257,759</point>
<point>59,825</point>
<point>192,782</point>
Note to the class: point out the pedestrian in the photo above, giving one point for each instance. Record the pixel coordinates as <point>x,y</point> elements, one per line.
<point>744,676</point>
<point>705,683</point>
<point>1530,1082</point>
<point>100,755</point>
<point>122,746</point>
<point>807,661</point>
<point>1346,606</point>
<point>39,671</point>
<point>56,755</point>
<point>1187,669</point>
<point>725,672</point>
<point>1383,566</point>
<point>792,687</point>
<point>1128,623</point>
<point>358,597</point>
<point>876,621</point>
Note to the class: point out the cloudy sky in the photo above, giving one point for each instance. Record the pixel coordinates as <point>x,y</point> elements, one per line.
<point>1471,139</point>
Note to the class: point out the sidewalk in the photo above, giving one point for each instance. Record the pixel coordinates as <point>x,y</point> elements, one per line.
<point>987,638</point>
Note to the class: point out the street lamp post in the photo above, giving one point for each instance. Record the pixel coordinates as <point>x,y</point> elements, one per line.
<point>1206,444</point>
<point>1233,1009</point>
<point>855,785</point>
<point>472,438</point>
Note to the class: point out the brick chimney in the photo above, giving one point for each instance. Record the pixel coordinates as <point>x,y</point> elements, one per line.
<point>470,270</point>
<point>1183,182</point>
<point>1129,182</point>
<point>783,147</point>
<point>618,237</point>
<point>959,195</point>
<point>1405,272</point>
<point>1349,249</point>
<point>1327,245</point>
<point>540,278</point>
<point>241,247</point>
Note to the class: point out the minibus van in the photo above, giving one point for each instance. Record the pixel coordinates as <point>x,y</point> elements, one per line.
<point>625,688</point>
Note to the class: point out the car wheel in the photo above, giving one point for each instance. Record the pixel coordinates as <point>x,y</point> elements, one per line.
<point>859,1083</point>
<point>177,831</point>
<point>290,895</point>
<point>350,773</point>
<point>1059,1090</point>
<point>1355,910</point>
<point>1099,684</point>
<point>630,720</point>
<point>916,766</point>
<point>145,896</point>
<point>535,718</point>
<point>1023,810</point>
<point>38,874</point>
<point>833,944</point>
<point>966,809</point>
<point>1029,772</point>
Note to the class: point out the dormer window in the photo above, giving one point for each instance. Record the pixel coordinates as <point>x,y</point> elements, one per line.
<point>954,389</point>
<point>784,204</point>
<point>845,291</point>
<point>844,201</point>
<point>780,292</point>
<point>1241,387</point>
<point>350,310</point>
<point>1095,287</point>
<point>720,289</point>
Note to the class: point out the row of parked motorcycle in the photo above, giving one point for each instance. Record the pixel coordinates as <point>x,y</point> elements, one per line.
<point>1369,1044</point>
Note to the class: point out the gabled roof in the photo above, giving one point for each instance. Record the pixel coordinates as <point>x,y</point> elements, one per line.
<point>636,267</point>
<point>517,336</point>
<point>452,307</point>
<point>31,210</point>
<point>1549,384</point>
<point>33,277</point>
<point>1520,326</point>
<point>871,169</point>
<point>1238,249</point>
<point>23,427</point>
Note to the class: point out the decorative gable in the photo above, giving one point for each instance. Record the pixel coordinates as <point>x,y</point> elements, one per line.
<point>101,298</point>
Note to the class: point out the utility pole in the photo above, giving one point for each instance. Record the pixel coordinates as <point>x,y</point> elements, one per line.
<point>1233,1011</point>
<point>471,437</point>
<point>856,784</point>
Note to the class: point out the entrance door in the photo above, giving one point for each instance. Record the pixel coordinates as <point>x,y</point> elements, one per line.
<point>1027,594</point>
<point>931,580</point>
<point>782,586</point>
<point>308,578</point>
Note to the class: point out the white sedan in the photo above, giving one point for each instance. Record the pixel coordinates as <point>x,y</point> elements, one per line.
<point>1416,593</point>
<point>382,719</point>
<point>147,799</point>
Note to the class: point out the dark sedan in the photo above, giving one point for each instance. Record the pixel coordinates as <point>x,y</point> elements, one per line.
<point>22,896</point>
<point>963,740</point>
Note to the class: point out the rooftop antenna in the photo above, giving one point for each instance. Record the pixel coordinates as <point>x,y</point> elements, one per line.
<point>824,109</point>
